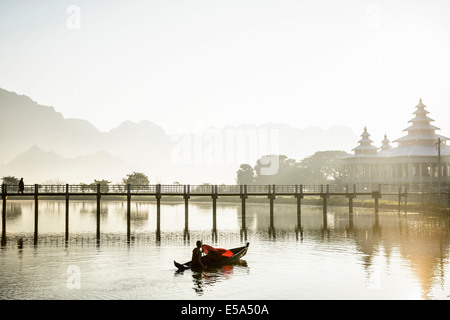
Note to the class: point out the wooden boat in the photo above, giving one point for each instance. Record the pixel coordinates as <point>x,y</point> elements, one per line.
<point>238,253</point>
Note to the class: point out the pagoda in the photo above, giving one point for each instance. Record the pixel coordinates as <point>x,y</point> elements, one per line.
<point>365,145</point>
<point>385,144</point>
<point>421,132</point>
<point>421,161</point>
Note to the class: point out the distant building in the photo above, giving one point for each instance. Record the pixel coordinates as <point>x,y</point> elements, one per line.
<point>414,163</point>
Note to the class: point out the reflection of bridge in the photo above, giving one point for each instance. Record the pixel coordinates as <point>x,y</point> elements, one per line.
<point>213,191</point>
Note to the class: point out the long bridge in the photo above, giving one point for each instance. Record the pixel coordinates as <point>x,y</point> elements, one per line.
<point>271,191</point>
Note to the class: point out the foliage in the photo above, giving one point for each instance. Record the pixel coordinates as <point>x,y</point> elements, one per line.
<point>10,180</point>
<point>92,187</point>
<point>245,175</point>
<point>320,168</point>
<point>136,178</point>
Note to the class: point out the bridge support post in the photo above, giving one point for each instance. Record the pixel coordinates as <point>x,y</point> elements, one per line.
<point>186,196</point>
<point>66,238</point>
<point>376,195</point>
<point>36,213</point>
<point>98,212</point>
<point>158,212</point>
<point>4,196</point>
<point>271,197</point>
<point>350,197</point>
<point>350,203</point>
<point>325,195</point>
<point>214,197</point>
<point>128,213</point>
<point>243,196</point>
<point>299,196</point>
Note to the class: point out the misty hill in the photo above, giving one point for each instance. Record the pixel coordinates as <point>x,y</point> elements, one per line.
<point>26,123</point>
<point>37,165</point>
<point>142,142</point>
<point>39,143</point>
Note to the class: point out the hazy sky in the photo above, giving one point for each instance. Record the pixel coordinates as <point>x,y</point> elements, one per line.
<point>186,65</point>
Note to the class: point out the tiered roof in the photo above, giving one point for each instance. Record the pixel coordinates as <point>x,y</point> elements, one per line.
<point>421,132</point>
<point>421,139</point>
<point>385,144</point>
<point>365,145</point>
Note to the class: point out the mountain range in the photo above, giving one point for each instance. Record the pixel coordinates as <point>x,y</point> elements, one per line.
<point>40,145</point>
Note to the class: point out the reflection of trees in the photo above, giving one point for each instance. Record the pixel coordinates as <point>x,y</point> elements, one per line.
<point>14,210</point>
<point>422,240</point>
<point>425,244</point>
<point>419,239</point>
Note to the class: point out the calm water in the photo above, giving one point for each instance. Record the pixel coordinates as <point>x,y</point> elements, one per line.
<point>389,256</point>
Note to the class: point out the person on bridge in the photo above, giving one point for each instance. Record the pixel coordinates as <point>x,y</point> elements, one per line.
<point>21,186</point>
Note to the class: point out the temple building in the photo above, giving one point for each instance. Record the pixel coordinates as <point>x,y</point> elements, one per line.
<point>413,163</point>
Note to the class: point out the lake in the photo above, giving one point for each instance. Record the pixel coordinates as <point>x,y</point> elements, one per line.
<point>390,255</point>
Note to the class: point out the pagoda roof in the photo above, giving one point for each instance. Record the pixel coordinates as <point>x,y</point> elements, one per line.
<point>385,143</point>
<point>365,147</point>
<point>421,127</point>
<point>421,137</point>
<point>365,144</point>
<point>414,150</point>
<point>407,151</point>
<point>421,132</point>
<point>421,118</point>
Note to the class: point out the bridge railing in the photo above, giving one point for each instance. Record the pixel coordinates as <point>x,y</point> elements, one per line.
<point>223,189</point>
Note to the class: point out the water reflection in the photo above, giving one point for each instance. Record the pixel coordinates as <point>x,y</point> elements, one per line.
<point>205,279</point>
<point>382,244</point>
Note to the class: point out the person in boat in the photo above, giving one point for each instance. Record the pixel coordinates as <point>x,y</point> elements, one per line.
<point>196,260</point>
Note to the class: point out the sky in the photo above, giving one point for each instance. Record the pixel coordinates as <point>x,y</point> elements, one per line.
<point>187,65</point>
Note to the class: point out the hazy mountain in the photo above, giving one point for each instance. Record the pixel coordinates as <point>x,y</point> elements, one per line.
<point>25,123</point>
<point>36,165</point>
<point>40,144</point>
<point>142,142</point>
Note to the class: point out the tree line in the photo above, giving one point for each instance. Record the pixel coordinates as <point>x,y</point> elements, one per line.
<point>321,168</point>
<point>135,178</point>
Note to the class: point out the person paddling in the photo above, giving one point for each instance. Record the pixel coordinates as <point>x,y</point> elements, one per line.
<point>196,261</point>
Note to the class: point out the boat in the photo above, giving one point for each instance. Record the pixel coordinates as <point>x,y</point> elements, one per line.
<point>238,253</point>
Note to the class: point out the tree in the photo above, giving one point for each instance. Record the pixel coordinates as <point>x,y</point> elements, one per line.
<point>103,184</point>
<point>320,168</point>
<point>245,174</point>
<point>323,167</point>
<point>10,180</point>
<point>286,173</point>
<point>136,178</point>
<point>92,187</point>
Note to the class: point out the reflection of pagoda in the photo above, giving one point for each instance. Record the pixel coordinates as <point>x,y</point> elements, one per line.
<point>414,162</point>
